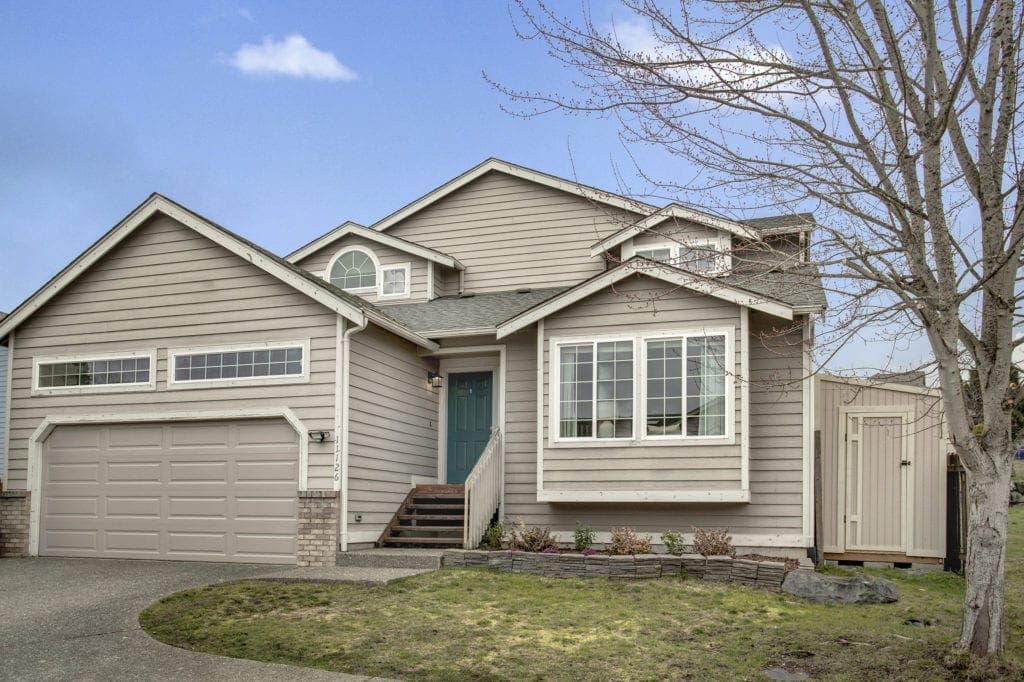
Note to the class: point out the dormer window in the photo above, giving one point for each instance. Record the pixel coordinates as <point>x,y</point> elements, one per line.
<point>354,269</point>
<point>703,256</point>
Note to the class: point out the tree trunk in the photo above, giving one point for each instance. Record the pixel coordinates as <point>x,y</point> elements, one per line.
<point>988,502</point>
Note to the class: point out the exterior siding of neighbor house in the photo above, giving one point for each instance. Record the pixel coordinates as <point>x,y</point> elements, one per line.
<point>775,515</point>
<point>3,409</point>
<point>167,287</point>
<point>511,233</point>
<point>318,261</point>
<point>392,426</point>
<point>926,508</point>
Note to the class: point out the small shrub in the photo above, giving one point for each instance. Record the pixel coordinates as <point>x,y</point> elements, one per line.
<point>673,542</point>
<point>531,538</point>
<point>551,550</point>
<point>494,537</point>
<point>626,541</point>
<point>583,537</point>
<point>589,552</point>
<point>713,541</point>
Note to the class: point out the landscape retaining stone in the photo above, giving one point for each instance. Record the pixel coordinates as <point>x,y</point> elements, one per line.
<point>764,574</point>
<point>840,590</point>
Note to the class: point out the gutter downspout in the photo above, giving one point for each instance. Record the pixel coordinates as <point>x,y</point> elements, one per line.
<point>346,378</point>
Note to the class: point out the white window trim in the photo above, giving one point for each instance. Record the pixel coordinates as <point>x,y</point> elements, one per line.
<point>722,244</point>
<point>554,396</point>
<point>373,258</point>
<point>639,437</point>
<point>729,437</point>
<point>407,267</point>
<point>94,357</point>
<point>179,384</point>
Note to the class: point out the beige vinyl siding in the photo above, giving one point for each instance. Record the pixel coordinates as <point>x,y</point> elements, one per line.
<point>167,287</point>
<point>392,427</point>
<point>782,249</point>
<point>776,462</point>
<point>776,443</point>
<point>645,466</point>
<point>675,232</point>
<point>512,233</point>
<point>928,471</point>
<point>318,261</point>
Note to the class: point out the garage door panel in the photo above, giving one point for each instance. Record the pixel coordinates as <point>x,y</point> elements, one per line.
<point>133,507</point>
<point>134,472</point>
<point>187,500</point>
<point>72,506</point>
<point>131,541</point>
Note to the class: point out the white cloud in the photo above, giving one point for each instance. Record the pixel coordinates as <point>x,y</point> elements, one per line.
<point>293,56</point>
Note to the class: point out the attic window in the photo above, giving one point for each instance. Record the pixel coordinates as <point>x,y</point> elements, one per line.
<point>704,256</point>
<point>354,268</point>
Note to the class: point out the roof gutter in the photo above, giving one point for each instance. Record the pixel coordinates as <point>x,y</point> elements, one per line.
<point>341,480</point>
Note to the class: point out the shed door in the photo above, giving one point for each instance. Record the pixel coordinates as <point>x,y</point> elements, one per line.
<point>877,457</point>
<point>189,491</point>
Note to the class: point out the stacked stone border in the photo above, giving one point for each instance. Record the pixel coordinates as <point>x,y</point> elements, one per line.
<point>318,528</point>
<point>764,574</point>
<point>14,518</point>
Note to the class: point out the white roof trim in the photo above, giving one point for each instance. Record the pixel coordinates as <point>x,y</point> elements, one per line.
<point>590,193</point>
<point>673,211</point>
<point>657,271</point>
<point>387,240</point>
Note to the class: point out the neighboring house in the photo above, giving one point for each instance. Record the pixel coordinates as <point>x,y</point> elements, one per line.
<point>540,350</point>
<point>3,401</point>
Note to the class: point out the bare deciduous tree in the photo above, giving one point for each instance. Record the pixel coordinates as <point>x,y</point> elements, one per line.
<point>899,124</point>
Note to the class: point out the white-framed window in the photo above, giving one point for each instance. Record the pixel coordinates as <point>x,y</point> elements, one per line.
<point>394,280</point>
<point>95,373</point>
<point>706,256</point>
<point>275,362</point>
<point>663,386</point>
<point>354,268</point>
<point>686,383</point>
<point>595,390</point>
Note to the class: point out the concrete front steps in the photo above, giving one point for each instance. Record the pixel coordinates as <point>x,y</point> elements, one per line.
<point>392,557</point>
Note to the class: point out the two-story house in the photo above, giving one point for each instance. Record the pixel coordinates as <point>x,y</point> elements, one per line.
<point>510,346</point>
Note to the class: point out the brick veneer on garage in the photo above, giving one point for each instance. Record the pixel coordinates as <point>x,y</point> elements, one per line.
<point>14,512</point>
<point>318,528</point>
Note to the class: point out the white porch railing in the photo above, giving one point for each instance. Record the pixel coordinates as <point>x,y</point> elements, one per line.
<point>483,491</point>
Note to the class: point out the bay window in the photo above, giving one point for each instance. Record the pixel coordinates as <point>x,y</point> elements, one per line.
<point>675,386</point>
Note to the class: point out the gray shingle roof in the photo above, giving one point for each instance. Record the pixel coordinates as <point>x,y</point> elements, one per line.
<point>479,311</point>
<point>798,286</point>
<point>781,223</point>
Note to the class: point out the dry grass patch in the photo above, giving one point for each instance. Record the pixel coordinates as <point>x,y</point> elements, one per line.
<point>485,625</point>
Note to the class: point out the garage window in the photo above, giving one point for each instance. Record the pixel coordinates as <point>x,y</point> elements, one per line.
<point>269,362</point>
<point>116,372</point>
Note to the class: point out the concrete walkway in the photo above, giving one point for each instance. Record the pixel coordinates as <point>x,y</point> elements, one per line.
<point>77,619</point>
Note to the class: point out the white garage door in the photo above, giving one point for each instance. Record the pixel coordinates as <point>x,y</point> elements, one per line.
<point>190,491</point>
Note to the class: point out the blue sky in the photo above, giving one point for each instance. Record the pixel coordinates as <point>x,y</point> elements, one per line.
<point>107,102</point>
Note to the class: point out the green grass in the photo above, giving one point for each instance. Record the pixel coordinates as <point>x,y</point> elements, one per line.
<point>479,624</point>
<point>1018,470</point>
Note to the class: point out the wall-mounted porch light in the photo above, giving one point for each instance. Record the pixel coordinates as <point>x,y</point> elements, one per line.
<point>319,436</point>
<point>435,379</point>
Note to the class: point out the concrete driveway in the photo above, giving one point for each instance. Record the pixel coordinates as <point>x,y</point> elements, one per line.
<point>63,619</point>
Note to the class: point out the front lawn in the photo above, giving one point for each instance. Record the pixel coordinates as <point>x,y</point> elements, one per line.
<point>479,624</point>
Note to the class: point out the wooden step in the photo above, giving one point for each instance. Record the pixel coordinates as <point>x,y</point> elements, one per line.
<point>435,507</point>
<point>439,496</point>
<point>392,540</point>
<point>427,529</point>
<point>431,517</point>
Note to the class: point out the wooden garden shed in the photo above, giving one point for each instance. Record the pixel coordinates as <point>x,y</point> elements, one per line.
<point>883,451</point>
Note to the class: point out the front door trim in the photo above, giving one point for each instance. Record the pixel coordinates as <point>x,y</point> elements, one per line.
<point>469,359</point>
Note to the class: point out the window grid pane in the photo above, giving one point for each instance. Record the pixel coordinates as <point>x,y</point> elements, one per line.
<point>240,364</point>
<point>110,372</point>
<point>663,255</point>
<point>393,281</point>
<point>614,403</point>
<point>576,385</point>
<point>705,386</point>
<point>354,270</point>
<point>664,387</point>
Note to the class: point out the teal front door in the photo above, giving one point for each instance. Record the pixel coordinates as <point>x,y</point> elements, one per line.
<point>469,421</point>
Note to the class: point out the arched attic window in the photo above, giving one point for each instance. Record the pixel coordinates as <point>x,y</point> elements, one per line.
<point>353,268</point>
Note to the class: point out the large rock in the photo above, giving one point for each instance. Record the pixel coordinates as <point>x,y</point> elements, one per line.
<point>837,590</point>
